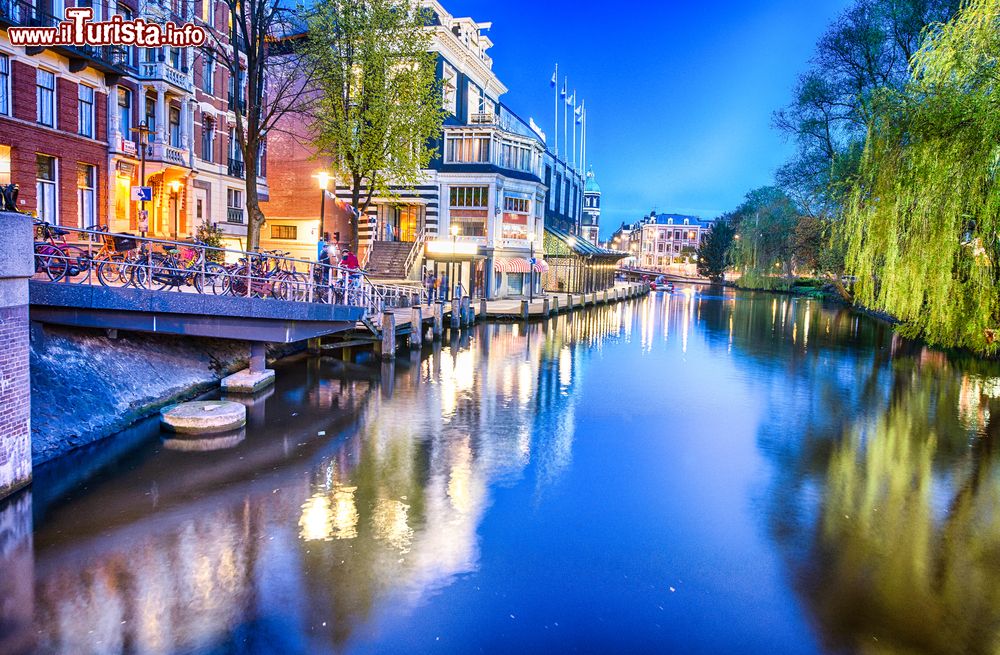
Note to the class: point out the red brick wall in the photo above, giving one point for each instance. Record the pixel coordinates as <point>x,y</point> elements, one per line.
<point>26,138</point>
<point>15,393</point>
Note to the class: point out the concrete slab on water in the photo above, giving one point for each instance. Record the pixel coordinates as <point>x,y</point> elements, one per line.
<point>203,417</point>
<point>247,381</point>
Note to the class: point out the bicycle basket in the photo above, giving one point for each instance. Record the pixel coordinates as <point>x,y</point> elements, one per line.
<point>125,243</point>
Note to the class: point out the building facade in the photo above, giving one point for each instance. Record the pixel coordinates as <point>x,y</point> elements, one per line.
<point>590,222</point>
<point>478,213</point>
<point>70,120</point>
<point>669,239</point>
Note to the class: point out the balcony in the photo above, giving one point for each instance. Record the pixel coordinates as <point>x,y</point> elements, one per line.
<point>107,59</point>
<point>234,215</point>
<point>161,70</point>
<point>483,119</point>
<point>235,168</point>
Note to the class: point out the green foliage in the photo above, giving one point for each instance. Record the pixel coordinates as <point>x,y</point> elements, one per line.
<point>923,224</point>
<point>713,253</point>
<point>211,235</point>
<point>762,248</point>
<point>379,105</point>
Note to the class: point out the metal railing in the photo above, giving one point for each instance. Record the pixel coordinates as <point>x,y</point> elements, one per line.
<point>65,255</point>
<point>415,249</point>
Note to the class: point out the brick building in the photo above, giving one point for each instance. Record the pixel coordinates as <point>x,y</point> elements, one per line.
<point>69,119</point>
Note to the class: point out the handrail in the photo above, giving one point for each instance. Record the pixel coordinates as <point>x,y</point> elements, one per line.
<point>411,258</point>
<point>151,264</point>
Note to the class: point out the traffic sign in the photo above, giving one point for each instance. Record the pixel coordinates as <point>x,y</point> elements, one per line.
<point>142,193</point>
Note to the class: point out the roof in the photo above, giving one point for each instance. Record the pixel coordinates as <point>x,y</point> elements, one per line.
<point>677,219</point>
<point>591,186</point>
<point>582,247</point>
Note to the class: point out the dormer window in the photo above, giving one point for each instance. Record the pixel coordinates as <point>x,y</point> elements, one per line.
<point>449,83</point>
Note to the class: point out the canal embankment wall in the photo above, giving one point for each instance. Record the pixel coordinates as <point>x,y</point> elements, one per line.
<point>88,384</point>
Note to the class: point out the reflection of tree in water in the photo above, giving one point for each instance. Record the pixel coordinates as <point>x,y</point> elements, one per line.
<point>885,487</point>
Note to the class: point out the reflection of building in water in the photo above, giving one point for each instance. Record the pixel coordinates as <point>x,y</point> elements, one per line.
<point>309,533</point>
<point>17,574</point>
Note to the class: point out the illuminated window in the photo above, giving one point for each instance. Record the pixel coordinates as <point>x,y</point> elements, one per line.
<point>289,232</point>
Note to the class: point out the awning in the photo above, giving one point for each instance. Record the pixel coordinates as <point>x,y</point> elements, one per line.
<point>518,265</point>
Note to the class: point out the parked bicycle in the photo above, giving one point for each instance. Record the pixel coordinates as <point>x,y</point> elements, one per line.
<point>177,267</point>
<point>54,256</point>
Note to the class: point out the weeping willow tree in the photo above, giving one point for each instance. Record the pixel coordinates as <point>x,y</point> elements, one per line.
<point>924,220</point>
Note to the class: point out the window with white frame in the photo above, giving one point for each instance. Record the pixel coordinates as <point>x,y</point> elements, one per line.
<point>86,195</point>
<point>234,206</point>
<point>175,127</point>
<point>475,102</point>
<point>449,88</point>
<point>85,110</point>
<point>45,188</point>
<point>45,84</point>
<point>468,209</point>
<point>4,84</point>
<point>467,148</point>
<point>208,70</point>
<point>516,210</point>
<point>207,138</point>
<point>125,113</point>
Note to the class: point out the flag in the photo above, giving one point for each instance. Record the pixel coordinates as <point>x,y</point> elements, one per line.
<point>555,76</point>
<point>565,87</point>
<point>578,112</point>
<point>570,99</point>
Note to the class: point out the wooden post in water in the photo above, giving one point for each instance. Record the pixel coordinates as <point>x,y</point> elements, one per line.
<point>482,308</point>
<point>438,329</point>
<point>555,304</point>
<point>456,318</point>
<point>466,311</point>
<point>546,310</point>
<point>416,327</point>
<point>524,310</point>
<point>388,349</point>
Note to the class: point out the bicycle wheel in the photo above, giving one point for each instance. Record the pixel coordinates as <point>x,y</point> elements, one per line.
<point>51,260</point>
<point>215,280</point>
<point>113,272</point>
<point>78,262</point>
<point>155,273</point>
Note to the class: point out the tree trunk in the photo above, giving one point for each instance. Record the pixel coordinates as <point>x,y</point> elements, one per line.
<point>255,217</point>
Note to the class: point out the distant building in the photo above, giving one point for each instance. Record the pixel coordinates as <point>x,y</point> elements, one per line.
<point>660,240</point>
<point>591,218</point>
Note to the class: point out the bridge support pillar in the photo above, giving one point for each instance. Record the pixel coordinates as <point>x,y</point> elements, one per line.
<point>16,266</point>
<point>254,378</point>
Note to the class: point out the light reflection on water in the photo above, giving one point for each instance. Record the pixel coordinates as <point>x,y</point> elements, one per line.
<point>693,472</point>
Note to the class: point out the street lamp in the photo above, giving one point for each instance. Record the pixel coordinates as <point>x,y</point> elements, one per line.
<point>175,188</point>
<point>531,273</point>
<point>323,178</point>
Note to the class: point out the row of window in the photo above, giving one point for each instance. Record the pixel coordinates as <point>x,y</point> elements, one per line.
<point>46,112</point>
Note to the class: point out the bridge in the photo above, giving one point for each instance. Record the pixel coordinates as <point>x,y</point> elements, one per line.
<point>636,274</point>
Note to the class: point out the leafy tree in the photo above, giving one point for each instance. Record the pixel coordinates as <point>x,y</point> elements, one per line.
<point>269,83</point>
<point>379,105</point>
<point>713,252</point>
<point>923,224</point>
<point>762,248</point>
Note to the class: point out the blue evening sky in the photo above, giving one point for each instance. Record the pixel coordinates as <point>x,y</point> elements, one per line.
<point>679,94</point>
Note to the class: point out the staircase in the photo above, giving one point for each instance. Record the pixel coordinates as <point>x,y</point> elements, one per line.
<point>390,260</point>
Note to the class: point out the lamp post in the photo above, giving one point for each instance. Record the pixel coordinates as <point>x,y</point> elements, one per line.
<point>571,242</point>
<point>323,178</point>
<point>175,188</point>
<point>454,249</point>
<point>531,272</point>
<point>144,132</point>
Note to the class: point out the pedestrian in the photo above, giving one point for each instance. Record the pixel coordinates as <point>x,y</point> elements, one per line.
<point>429,286</point>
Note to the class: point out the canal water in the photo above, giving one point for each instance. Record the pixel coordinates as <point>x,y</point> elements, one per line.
<point>699,472</point>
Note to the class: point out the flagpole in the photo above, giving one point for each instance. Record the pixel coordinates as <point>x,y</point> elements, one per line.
<point>575,159</point>
<point>584,147</point>
<point>555,92</point>
<point>565,107</point>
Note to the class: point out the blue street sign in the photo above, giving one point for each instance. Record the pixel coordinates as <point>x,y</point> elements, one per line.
<point>142,193</point>
<point>533,261</point>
